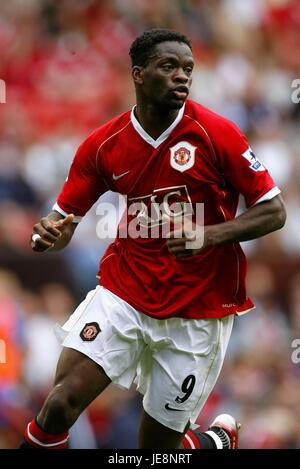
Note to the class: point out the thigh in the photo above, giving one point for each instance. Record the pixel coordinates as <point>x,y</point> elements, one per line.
<point>184,372</point>
<point>107,330</point>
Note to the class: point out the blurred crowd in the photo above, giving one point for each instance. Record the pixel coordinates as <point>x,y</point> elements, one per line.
<point>66,68</point>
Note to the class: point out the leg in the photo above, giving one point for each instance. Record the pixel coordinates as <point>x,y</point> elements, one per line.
<point>107,330</point>
<point>176,381</point>
<point>78,382</point>
<point>153,434</point>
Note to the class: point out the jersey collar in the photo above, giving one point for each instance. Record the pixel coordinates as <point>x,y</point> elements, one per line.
<point>163,136</point>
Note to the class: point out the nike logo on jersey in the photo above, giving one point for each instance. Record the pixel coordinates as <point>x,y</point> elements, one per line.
<point>115,178</point>
<point>171,408</point>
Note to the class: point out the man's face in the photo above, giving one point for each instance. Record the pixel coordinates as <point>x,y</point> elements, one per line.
<point>167,78</point>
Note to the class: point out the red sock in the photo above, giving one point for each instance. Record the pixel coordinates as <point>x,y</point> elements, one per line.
<point>190,441</point>
<point>37,438</point>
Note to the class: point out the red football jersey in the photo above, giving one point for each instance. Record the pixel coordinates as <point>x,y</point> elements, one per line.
<point>201,158</point>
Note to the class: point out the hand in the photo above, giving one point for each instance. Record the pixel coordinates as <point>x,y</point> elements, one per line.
<point>186,244</point>
<point>49,231</point>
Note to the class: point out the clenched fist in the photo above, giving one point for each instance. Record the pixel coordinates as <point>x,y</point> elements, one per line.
<point>48,231</point>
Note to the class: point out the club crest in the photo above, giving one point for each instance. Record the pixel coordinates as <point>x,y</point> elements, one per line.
<point>90,331</point>
<point>182,156</point>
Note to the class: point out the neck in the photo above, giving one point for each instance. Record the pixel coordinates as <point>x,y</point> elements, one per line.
<point>153,119</point>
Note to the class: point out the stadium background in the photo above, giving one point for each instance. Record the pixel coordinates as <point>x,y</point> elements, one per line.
<point>66,68</point>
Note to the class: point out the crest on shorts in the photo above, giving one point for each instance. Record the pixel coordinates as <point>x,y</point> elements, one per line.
<point>182,156</point>
<point>90,331</point>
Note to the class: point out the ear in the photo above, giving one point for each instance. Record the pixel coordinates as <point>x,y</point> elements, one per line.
<point>137,73</point>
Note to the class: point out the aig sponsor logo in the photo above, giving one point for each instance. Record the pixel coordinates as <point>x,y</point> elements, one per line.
<point>155,215</point>
<point>157,208</point>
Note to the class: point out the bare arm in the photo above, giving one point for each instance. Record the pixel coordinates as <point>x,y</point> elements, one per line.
<point>55,230</point>
<point>255,222</point>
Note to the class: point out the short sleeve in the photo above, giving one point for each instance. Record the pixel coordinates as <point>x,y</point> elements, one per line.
<point>84,184</point>
<point>242,169</point>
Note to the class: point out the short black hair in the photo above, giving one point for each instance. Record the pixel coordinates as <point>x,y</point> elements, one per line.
<point>143,45</point>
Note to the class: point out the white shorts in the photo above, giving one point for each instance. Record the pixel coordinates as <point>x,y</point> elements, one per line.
<point>175,362</point>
